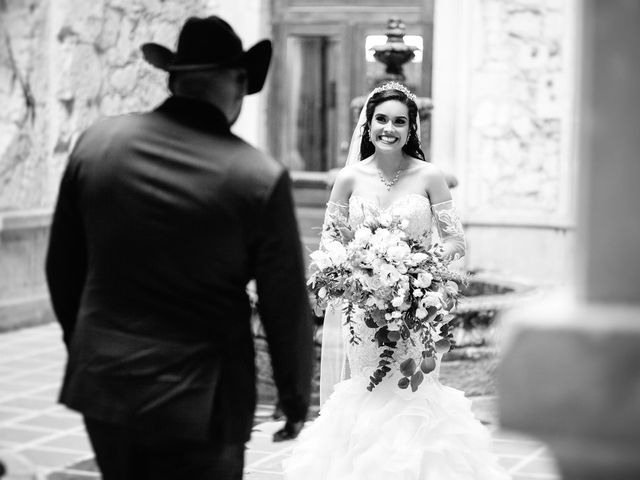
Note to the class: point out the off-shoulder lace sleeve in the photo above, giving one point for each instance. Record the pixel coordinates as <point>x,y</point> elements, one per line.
<point>333,364</point>
<point>335,215</point>
<point>450,229</point>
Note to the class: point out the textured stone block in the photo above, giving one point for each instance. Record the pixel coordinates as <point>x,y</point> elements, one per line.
<point>570,376</point>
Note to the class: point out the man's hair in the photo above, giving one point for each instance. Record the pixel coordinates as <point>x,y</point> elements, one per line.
<point>199,83</point>
<point>195,83</point>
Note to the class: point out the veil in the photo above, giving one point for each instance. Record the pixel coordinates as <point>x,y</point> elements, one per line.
<point>334,366</point>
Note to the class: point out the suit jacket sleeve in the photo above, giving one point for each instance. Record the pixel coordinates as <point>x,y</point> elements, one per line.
<point>283,301</point>
<point>66,260</point>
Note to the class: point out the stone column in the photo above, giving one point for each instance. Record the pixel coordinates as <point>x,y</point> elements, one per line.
<point>570,374</point>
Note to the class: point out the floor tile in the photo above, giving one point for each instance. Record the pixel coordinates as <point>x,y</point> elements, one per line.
<point>535,477</point>
<point>52,392</point>
<point>12,434</point>
<point>71,442</point>
<point>501,447</point>
<point>508,462</point>
<point>7,414</point>
<point>26,363</point>
<point>53,436</point>
<point>41,377</point>
<point>10,388</point>
<point>51,458</point>
<point>88,465</point>
<point>52,422</point>
<point>27,402</point>
<point>251,475</point>
<point>538,466</point>
<point>73,475</point>
<point>252,456</point>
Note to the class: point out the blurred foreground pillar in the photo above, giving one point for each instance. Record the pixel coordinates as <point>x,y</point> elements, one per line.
<point>570,374</point>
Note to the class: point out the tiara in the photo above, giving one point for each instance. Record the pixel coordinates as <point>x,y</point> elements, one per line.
<point>394,86</point>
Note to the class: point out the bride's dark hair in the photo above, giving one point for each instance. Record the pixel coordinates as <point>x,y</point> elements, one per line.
<point>412,147</point>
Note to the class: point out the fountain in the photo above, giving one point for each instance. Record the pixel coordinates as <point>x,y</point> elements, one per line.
<point>394,54</point>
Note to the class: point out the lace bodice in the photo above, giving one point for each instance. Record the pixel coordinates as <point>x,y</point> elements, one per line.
<point>363,357</point>
<point>416,209</point>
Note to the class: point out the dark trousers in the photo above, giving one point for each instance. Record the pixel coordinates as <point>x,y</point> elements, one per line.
<point>126,454</point>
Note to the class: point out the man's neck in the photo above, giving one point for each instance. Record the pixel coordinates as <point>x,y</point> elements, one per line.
<point>220,104</point>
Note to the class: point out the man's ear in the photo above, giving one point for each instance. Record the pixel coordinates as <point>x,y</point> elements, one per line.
<point>242,80</point>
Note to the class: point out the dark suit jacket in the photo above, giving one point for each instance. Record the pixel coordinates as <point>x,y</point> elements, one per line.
<point>162,219</point>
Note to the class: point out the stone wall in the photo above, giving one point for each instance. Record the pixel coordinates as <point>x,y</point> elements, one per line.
<point>63,64</point>
<point>503,123</point>
<point>516,109</point>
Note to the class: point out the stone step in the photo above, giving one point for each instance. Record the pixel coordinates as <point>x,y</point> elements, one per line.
<point>311,196</point>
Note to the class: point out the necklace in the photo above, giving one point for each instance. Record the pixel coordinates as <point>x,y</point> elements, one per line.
<point>389,183</point>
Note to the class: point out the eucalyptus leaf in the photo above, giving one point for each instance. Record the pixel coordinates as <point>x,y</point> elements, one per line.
<point>408,367</point>
<point>416,380</point>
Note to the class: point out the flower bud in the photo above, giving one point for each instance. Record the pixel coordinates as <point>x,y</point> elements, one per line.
<point>408,367</point>
<point>393,335</point>
<point>416,380</point>
<point>428,364</point>
<point>443,345</point>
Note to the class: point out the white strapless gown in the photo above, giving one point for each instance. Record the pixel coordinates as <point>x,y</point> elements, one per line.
<point>389,433</point>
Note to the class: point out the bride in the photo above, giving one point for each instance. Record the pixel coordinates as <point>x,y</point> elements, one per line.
<point>389,432</point>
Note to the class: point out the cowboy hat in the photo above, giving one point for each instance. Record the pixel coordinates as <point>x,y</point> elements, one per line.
<point>209,43</point>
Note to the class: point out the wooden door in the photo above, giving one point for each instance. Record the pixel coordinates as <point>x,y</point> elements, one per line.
<point>320,66</point>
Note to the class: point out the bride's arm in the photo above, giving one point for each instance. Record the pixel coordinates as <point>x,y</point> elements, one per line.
<point>333,363</point>
<point>445,215</point>
<point>338,204</point>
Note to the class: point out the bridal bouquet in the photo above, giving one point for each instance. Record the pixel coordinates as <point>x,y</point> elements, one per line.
<point>396,285</point>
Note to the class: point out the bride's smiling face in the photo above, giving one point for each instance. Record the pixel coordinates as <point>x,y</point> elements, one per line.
<point>390,126</point>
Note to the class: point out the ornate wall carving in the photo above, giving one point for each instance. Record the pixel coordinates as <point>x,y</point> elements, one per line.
<point>63,63</point>
<point>515,166</point>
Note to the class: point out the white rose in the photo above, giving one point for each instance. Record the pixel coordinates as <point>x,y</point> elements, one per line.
<point>421,313</point>
<point>321,259</point>
<point>363,235</point>
<point>393,327</point>
<point>451,287</point>
<point>397,301</point>
<point>375,283</point>
<point>419,257</point>
<point>380,238</point>
<point>399,252</point>
<point>389,274</point>
<point>424,280</point>
<point>431,299</point>
<point>385,219</point>
<point>336,251</point>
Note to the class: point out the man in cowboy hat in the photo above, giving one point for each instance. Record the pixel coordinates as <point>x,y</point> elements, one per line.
<point>162,219</point>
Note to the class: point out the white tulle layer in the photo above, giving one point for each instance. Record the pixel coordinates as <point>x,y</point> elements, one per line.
<point>394,434</point>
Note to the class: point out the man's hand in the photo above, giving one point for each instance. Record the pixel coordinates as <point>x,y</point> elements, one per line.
<point>289,431</point>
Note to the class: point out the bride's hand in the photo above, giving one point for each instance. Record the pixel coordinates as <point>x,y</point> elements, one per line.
<point>289,431</point>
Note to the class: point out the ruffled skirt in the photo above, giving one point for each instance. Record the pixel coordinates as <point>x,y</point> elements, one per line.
<point>396,434</point>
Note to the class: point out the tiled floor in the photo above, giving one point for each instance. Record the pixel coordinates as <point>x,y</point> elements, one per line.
<point>52,439</point>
